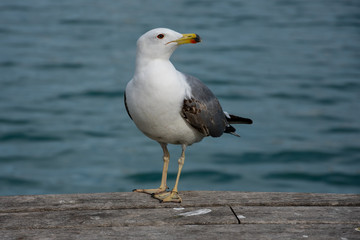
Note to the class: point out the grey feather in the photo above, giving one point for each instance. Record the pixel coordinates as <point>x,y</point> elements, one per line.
<point>203,111</point>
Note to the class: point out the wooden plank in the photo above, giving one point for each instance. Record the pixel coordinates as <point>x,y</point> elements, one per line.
<point>208,232</point>
<point>111,201</point>
<point>134,215</point>
<point>298,215</point>
<point>171,216</point>
<point>117,218</point>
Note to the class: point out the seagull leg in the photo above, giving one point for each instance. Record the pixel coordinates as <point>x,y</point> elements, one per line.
<point>173,196</point>
<point>166,159</point>
<point>163,186</point>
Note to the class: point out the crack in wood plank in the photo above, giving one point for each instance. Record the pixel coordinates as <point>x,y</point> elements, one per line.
<point>232,210</point>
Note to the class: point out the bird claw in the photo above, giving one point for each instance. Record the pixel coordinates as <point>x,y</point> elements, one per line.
<point>168,197</point>
<point>151,191</point>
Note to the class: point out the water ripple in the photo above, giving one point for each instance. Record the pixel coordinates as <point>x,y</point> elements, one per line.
<point>342,130</point>
<point>96,134</point>
<point>245,48</point>
<point>289,156</point>
<point>93,94</point>
<point>7,64</point>
<point>14,8</point>
<point>14,121</point>
<point>64,65</point>
<point>23,136</point>
<point>16,181</point>
<point>206,175</point>
<point>335,178</point>
<point>349,86</point>
<point>89,22</point>
<point>309,98</point>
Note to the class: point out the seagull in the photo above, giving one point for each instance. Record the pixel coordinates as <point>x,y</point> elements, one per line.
<point>172,107</point>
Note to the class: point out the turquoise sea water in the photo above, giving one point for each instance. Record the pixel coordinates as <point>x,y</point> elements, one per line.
<point>291,66</point>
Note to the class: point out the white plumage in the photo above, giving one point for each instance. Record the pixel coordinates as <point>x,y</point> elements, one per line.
<point>154,98</point>
<point>169,106</point>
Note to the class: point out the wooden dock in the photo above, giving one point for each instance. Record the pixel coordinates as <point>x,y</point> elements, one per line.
<point>202,215</point>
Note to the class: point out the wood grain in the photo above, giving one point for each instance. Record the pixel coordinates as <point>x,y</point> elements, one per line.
<point>202,215</point>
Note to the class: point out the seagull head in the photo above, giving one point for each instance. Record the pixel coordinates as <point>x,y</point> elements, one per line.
<point>162,42</point>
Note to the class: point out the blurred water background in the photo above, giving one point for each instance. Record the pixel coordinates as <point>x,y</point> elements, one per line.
<point>291,66</point>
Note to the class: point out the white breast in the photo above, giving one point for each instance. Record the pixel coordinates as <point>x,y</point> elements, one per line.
<point>155,101</point>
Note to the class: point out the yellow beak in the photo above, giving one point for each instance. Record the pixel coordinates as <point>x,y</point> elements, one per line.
<point>187,38</point>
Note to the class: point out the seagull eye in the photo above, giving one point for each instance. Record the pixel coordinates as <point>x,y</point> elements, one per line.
<point>160,36</point>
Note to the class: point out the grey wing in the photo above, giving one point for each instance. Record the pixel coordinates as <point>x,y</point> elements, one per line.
<point>203,111</point>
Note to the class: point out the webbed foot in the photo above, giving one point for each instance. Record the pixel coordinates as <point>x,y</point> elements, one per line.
<point>172,196</point>
<point>151,191</point>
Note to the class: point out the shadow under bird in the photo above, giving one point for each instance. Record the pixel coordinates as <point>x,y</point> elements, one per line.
<point>171,107</point>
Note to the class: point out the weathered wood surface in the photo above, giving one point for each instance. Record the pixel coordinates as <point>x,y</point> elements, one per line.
<point>202,215</point>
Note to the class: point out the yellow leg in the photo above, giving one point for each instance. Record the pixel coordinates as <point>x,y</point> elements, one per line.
<point>173,196</point>
<point>163,186</point>
<point>166,159</point>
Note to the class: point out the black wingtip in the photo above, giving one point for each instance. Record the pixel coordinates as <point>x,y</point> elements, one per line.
<point>239,120</point>
<point>231,130</point>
